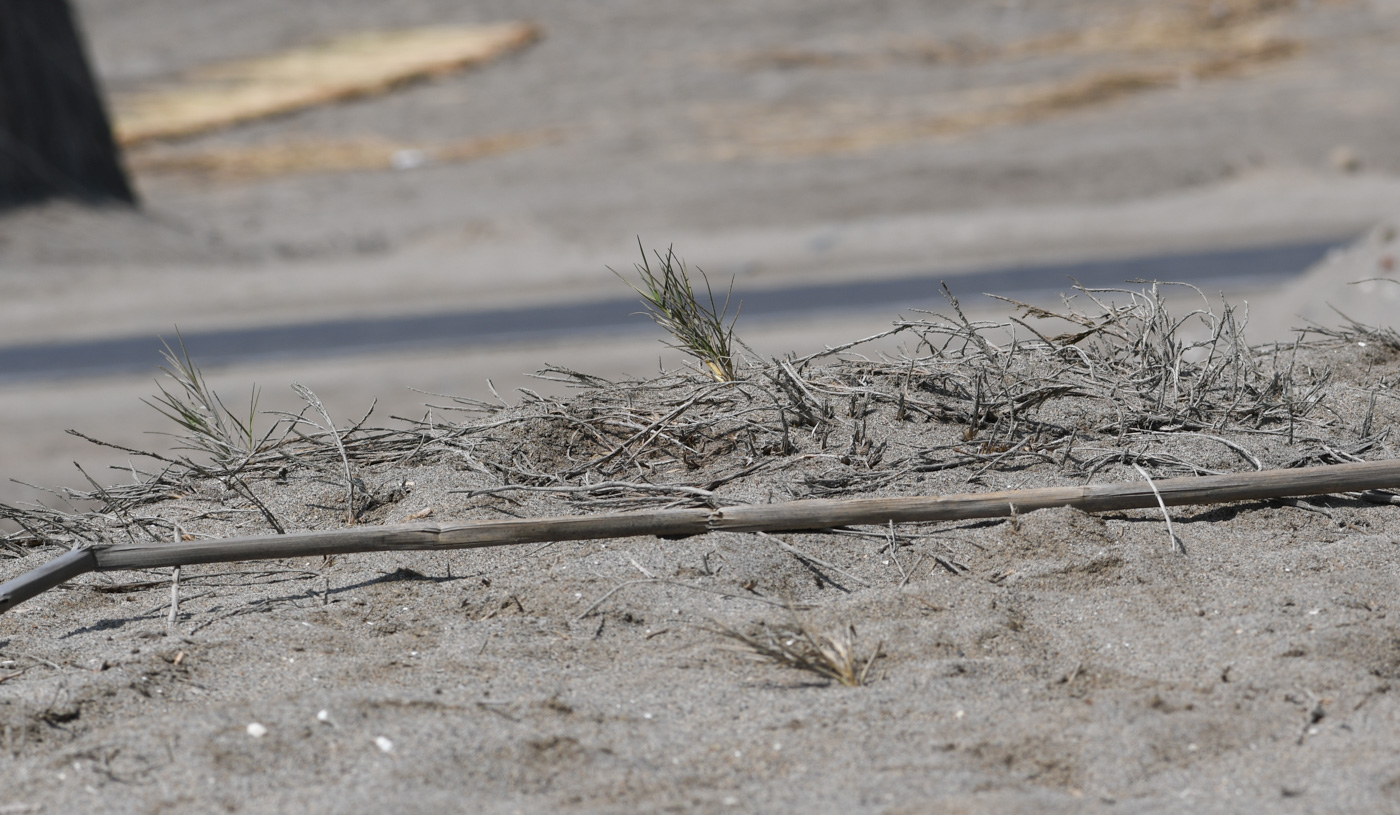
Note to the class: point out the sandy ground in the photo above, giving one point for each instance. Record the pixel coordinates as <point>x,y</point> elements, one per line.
<point>717,130</point>
<point>1055,662</point>
<point>787,143</point>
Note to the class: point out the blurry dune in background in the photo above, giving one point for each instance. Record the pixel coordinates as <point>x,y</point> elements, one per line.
<point>1122,56</point>
<point>346,67</point>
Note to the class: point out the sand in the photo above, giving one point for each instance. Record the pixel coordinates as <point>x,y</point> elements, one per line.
<point>1059,663</point>
<point>1054,661</point>
<point>629,120</point>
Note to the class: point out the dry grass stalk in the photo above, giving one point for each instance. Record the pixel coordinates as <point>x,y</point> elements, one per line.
<point>1354,332</point>
<point>1177,545</point>
<point>314,402</point>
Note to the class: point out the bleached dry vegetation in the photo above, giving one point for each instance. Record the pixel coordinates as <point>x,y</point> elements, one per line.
<point>1113,386</point>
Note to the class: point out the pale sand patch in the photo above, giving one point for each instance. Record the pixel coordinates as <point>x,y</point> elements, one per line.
<point>518,264</point>
<point>307,155</point>
<point>346,67</point>
<point>1149,49</point>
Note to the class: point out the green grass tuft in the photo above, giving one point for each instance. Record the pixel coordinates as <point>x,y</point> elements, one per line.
<point>700,329</point>
<point>208,425</point>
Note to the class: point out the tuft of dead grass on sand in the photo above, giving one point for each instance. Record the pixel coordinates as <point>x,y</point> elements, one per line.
<point>207,426</point>
<point>802,646</point>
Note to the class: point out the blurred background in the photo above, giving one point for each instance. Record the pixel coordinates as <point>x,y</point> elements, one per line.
<point>378,200</point>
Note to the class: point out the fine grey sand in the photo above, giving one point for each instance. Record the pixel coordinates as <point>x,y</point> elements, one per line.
<point>706,127</point>
<point>1055,662</point>
<point>700,126</point>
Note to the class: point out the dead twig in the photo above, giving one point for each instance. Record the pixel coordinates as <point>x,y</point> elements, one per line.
<point>1177,545</point>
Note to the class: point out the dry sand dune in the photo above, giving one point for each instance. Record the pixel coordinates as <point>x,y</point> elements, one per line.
<point>1240,659</point>
<point>1056,662</point>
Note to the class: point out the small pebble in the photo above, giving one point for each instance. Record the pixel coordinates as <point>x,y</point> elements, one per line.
<point>256,730</point>
<point>384,744</point>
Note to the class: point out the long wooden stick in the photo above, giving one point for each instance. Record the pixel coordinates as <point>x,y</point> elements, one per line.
<point>792,515</point>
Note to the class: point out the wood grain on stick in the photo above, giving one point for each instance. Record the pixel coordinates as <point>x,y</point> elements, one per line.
<point>51,575</point>
<point>793,515</point>
<point>470,535</point>
<point>1211,489</point>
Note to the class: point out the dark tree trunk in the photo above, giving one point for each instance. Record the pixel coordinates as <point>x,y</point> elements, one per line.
<point>55,138</point>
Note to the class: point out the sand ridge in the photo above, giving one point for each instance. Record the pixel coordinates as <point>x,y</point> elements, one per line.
<point>1052,661</point>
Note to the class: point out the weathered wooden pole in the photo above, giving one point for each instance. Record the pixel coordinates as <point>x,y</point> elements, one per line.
<point>55,136</point>
<point>789,516</point>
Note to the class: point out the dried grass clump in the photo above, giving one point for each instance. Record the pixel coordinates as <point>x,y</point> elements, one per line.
<point>1354,332</point>
<point>1110,383</point>
<point>1154,370</point>
<point>799,645</point>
